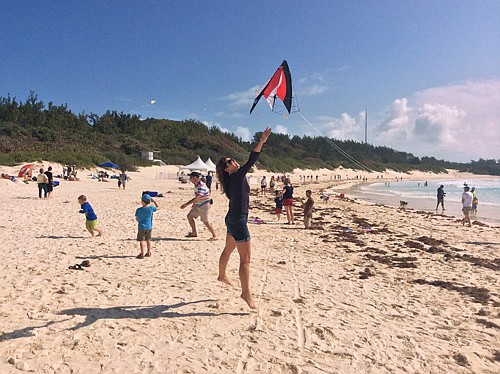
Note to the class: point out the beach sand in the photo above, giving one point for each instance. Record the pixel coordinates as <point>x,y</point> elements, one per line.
<point>373,289</point>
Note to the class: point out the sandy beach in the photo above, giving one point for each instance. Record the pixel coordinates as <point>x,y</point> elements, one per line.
<point>372,289</point>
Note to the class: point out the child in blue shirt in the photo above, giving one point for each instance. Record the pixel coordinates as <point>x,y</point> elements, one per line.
<point>144,217</point>
<point>279,204</point>
<point>91,217</point>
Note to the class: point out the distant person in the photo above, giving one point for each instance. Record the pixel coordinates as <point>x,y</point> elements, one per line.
<point>42,180</point>
<point>440,197</point>
<point>144,218</point>
<point>287,195</point>
<point>200,206</point>
<point>209,180</point>
<point>278,201</point>
<point>50,183</point>
<point>272,184</point>
<point>466,205</point>
<point>475,201</point>
<point>235,186</point>
<point>123,178</point>
<point>91,223</point>
<point>308,209</point>
<point>263,184</point>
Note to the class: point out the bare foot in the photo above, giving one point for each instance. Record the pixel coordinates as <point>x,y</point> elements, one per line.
<point>225,280</point>
<point>248,299</point>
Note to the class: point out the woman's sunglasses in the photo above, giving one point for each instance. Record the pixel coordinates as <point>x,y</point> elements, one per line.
<point>229,161</point>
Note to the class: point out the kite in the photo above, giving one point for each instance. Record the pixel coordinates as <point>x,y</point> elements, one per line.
<point>280,85</point>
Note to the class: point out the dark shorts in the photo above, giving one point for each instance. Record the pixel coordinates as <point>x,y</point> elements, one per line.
<point>287,202</point>
<point>143,235</point>
<point>278,210</point>
<point>237,227</point>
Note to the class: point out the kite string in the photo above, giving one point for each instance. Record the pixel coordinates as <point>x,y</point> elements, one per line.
<point>340,150</point>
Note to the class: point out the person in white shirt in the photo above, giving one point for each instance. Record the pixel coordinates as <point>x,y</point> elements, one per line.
<point>466,205</point>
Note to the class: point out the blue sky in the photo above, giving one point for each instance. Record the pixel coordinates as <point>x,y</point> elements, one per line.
<point>428,72</point>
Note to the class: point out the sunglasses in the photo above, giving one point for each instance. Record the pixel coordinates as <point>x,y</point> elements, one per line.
<point>229,161</point>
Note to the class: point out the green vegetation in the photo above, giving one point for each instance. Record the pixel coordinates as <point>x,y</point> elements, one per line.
<point>32,131</point>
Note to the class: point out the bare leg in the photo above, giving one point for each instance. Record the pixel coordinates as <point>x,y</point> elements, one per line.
<point>224,259</point>
<point>141,244</point>
<point>148,243</point>
<point>99,231</point>
<point>245,255</point>
<point>90,230</point>
<point>210,228</point>
<point>288,217</point>
<point>192,224</point>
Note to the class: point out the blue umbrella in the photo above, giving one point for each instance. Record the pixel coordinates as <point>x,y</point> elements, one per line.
<point>108,164</point>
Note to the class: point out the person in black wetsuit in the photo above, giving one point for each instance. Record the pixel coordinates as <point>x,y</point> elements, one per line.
<point>50,185</point>
<point>235,186</point>
<point>440,197</point>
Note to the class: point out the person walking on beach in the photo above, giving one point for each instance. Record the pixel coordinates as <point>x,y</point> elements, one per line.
<point>466,206</point>
<point>287,195</point>
<point>200,206</point>
<point>278,200</point>
<point>42,180</point>
<point>144,218</point>
<point>440,196</point>
<point>475,201</point>
<point>209,181</point>
<point>308,209</point>
<point>50,183</point>
<point>91,217</point>
<point>122,179</point>
<point>263,184</point>
<point>235,186</point>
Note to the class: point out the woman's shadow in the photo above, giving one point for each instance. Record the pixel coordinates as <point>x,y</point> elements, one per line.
<point>136,312</point>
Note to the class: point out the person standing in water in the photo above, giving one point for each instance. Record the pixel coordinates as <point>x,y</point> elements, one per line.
<point>235,186</point>
<point>440,196</point>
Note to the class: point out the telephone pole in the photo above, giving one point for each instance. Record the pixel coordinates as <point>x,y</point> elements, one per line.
<point>366,126</point>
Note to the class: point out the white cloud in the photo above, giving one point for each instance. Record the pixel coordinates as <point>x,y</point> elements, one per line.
<point>345,127</point>
<point>243,98</point>
<point>243,133</point>
<point>456,123</point>
<point>313,90</point>
<point>396,126</point>
<point>216,124</point>
<point>280,129</point>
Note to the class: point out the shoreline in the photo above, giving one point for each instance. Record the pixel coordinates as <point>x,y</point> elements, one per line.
<point>486,213</point>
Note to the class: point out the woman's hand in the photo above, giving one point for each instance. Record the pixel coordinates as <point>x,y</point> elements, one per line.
<point>265,134</point>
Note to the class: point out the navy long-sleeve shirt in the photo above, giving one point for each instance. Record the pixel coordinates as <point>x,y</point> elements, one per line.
<point>238,189</point>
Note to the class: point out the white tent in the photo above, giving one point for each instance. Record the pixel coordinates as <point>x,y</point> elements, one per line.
<point>210,164</point>
<point>197,165</point>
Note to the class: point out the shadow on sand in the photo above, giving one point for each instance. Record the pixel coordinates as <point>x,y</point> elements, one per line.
<point>120,312</point>
<point>61,237</point>
<point>136,312</point>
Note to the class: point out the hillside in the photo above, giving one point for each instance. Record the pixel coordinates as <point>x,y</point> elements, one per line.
<point>31,130</point>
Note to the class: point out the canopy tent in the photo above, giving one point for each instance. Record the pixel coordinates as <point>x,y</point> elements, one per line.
<point>198,164</point>
<point>25,170</point>
<point>210,164</point>
<point>108,164</point>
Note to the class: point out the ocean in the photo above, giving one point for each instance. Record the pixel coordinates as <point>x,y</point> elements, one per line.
<point>423,197</point>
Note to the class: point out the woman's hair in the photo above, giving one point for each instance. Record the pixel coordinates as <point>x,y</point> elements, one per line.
<point>223,175</point>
